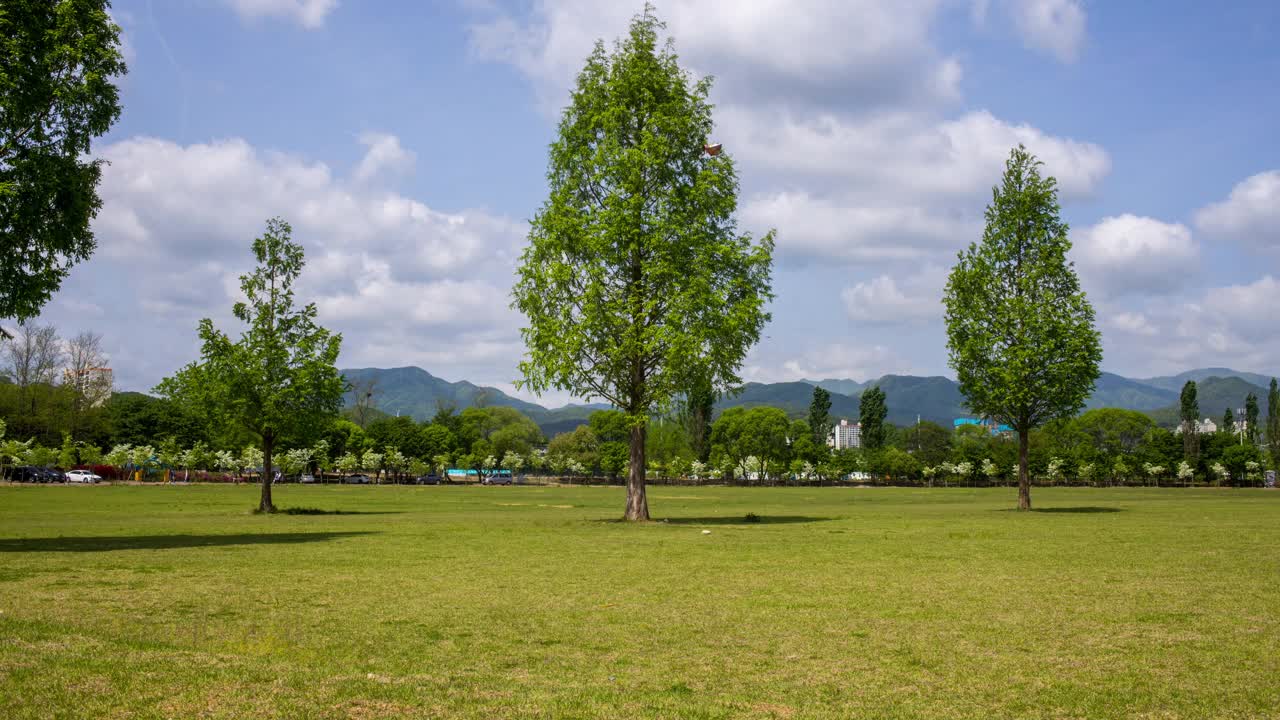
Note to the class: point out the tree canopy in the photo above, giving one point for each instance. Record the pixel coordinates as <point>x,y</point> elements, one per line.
<point>279,380</point>
<point>59,60</point>
<point>1020,331</point>
<point>635,281</point>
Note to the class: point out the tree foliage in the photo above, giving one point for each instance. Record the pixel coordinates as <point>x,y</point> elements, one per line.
<point>820,415</point>
<point>873,408</point>
<point>1190,415</point>
<point>1020,331</point>
<point>279,380</point>
<point>635,281</point>
<point>59,60</point>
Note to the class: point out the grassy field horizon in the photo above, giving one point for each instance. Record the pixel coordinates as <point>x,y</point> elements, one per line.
<point>481,602</point>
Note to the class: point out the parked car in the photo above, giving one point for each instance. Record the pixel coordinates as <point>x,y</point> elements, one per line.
<point>498,480</point>
<point>431,479</point>
<point>53,474</point>
<point>306,478</point>
<point>356,480</point>
<point>28,473</point>
<point>82,476</point>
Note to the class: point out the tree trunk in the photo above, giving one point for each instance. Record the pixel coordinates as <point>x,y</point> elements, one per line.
<point>637,502</point>
<point>1024,477</point>
<point>265,506</point>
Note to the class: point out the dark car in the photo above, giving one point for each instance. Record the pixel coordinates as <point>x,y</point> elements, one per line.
<point>431,479</point>
<point>53,474</point>
<point>356,480</point>
<point>28,473</point>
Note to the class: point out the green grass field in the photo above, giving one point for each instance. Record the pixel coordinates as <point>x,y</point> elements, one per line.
<point>470,602</point>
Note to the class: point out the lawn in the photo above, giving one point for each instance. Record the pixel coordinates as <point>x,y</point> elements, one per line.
<point>527,602</point>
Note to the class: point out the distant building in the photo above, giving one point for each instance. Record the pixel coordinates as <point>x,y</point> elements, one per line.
<point>93,384</point>
<point>845,435</point>
<point>1203,427</point>
<point>991,425</point>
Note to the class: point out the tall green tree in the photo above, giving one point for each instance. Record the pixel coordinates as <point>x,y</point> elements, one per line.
<point>1251,417</point>
<point>872,411</point>
<point>635,280</point>
<point>1020,331</point>
<point>59,60</point>
<point>279,380</point>
<point>1190,413</point>
<point>1228,422</point>
<point>697,408</point>
<point>1273,422</point>
<point>820,415</point>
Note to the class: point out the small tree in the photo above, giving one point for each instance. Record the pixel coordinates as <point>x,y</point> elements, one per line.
<point>1190,411</point>
<point>872,411</point>
<point>1220,472</point>
<point>1154,472</point>
<point>1251,418</point>
<point>635,282</point>
<point>1273,423</point>
<point>279,379</point>
<point>820,415</point>
<point>1086,473</point>
<point>1185,473</point>
<point>1019,329</point>
<point>1054,470</point>
<point>371,462</point>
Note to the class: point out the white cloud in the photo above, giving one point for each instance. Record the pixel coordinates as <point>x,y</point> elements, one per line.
<point>905,152</point>
<point>1134,323</point>
<point>872,50</point>
<point>1054,26</point>
<point>1130,254</point>
<point>883,301</point>
<point>1250,214</point>
<point>309,14</point>
<point>384,154</point>
<point>836,360</point>
<point>404,283</point>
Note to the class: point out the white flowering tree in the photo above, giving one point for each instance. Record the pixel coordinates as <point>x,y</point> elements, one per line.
<point>371,462</point>
<point>1087,473</point>
<point>1185,473</point>
<point>697,470</point>
<point>250,459</point>
<point>395,461</point>
<point>514,462</point>
<point>1154,472</point>
<point>1053,471</point>
<point>1252,471</point>
<point>441,463</point>
<point>348,463</point>
<point>991,470</point>
<point>13,452</point>
<point>1220,471</point>
<point>963,470</point>
<point>296,461</point>
<point>224,461</point>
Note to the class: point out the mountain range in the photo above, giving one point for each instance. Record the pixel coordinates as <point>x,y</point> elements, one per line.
<point>417,393</point>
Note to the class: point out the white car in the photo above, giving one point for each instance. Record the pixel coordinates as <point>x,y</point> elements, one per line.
<point>82,476</point>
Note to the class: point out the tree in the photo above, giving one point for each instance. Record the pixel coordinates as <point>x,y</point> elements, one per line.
<point>1228,422</point>
<point>32,357</point>
<point>872,410</point>
<point>279,379</point>
<point>820,415</point>
<point>58,63</point>
<point>1251,418</point>
<point>364,399</point>
<point>1190,423</point>
<point>699,403</point>
<point>635,281</point>
<point>1273,422</point>
<point>1020,331</point>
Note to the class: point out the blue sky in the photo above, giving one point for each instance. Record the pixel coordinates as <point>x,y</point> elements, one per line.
<point>406,143</point>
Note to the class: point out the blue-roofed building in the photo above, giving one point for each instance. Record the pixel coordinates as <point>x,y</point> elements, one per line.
<point>987,423</point>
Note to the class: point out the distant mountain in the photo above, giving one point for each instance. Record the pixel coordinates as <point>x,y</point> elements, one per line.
<point>852,388</point>
<point>1175,382</point>
<point>1214,395</point>
<point>417,393</point>
<point>792,397</point>
<point>1120,392</point>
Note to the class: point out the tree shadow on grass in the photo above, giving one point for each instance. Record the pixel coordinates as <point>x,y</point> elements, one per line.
<point>743,520</point>
<point>1078,510</point>
<point>318,511</point>
<point>162,542</point>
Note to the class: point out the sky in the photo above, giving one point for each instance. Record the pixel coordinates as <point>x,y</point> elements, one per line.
<point>406,143</point>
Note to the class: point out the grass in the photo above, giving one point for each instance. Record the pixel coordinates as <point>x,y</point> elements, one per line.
<point>388,602</point>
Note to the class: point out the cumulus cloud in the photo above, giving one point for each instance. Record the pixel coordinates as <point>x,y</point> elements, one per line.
<point>871,50</point>
<point>309,14</point>
<point>405,283</point>
<point>884,300</point>
<point>1128,254</point>
<point>1250,215</point>
<point>836,360</point>
<point>1054,26</point>
<point>383,154</point>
